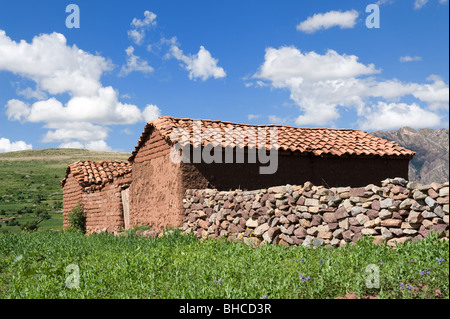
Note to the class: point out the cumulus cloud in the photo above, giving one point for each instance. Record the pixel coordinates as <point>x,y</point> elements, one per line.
<point>57,68</point>
<point>81,131</point>
<point>323,21</point>
<point>7,146</point>
<point>92,145</point>
<point>151,112</point>
<point>290,66</point>
<point>29,93</point>
<point>98,146</point>
<point>418,4</point>
<point>104,108</point>
<point>200,66</point>
<point>135,64</point>
<point>251,117</point>
<point>274,119</point>
<point>386,116</point>
<point>149,20</point>
<point>383,2</point>
<point>408,58</point>
<point>77,145</point>
<point>322,84</point>
<point>137,33</point>
<point>435,94</point>
<point>17,110</point>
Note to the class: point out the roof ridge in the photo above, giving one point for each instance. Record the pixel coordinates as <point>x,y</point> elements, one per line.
<point>257,125</point>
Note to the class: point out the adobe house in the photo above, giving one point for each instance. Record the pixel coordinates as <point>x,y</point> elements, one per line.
<point>330,157</point>
<point>102,189</point>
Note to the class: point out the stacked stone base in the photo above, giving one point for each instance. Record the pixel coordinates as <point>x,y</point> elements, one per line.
<point>394,212</point>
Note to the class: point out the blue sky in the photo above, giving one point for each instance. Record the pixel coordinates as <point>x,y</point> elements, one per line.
<point>299,63</point>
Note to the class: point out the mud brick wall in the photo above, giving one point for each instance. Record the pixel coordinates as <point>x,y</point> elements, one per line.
<point>102,205</point>
<point>155,193</point>
<point>396,211</point>
<point>72,195</point>
<point>104,208</point>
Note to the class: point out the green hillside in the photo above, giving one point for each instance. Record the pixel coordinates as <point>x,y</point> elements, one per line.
<point>30,188</point>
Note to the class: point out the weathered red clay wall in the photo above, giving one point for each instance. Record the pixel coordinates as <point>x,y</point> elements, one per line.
<point>104,208</point>
<point>156,193</point>
<point>72,195</point>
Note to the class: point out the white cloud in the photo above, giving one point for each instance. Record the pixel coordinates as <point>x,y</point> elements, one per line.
<point>435,94</point>
<point>134,64</point>
<point>274,119</point>
<point>7,146</point>
<point>322,84</point>
<point>251,117</point>
<point>81,131</point>
<point>149,20</point>
<point>289,66</point>
<point>317,83</point>
<point>17,110</point>
<point>418,4</point>
<point>29,93</point>
<point>137,34</point>
<point>383,2</point>
<point>151,112</point>
<point>104,108</point>
<point>77,145</point>
<point>126,131</point>
<point>202,65</point>
<point>98,145</point>
<point>386,116</point>
<point>57,68</point>
<point>319,21</point>
<point>408,58</point>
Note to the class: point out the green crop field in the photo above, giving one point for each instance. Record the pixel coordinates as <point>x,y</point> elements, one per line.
<point>72,265</point>
<point>30,188</point>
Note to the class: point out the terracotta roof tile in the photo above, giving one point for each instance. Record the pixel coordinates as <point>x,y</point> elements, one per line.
<point>96,173</point>
<point>318,141</point>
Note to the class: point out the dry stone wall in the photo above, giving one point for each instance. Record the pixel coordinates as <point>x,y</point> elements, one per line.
<point>396,211</point>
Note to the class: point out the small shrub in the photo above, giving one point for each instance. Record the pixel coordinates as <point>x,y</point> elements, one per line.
<point>30,226</point>
<point>12,222</point>
<point>77,219</point>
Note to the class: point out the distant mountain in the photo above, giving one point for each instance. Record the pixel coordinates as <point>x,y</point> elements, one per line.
<point>431,162</point>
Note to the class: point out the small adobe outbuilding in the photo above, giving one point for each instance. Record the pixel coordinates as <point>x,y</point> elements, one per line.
<point>101,187</point>
<point>330,157</point>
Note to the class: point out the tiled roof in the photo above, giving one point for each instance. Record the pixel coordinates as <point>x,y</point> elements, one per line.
<point>98,173</point>
<point>317,141</point>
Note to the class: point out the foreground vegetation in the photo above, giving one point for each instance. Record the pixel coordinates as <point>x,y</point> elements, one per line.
<point>38,264</point>
<point>30,189</point>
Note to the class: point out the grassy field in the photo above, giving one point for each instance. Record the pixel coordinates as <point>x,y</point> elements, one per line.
<point>40,264</point>
<point>30,184</point>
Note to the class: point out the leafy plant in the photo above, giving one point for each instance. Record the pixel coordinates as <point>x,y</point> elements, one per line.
<point>77,219</point>
<point>30,226</point>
